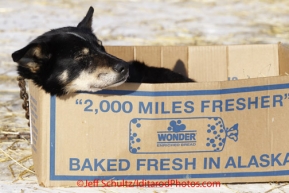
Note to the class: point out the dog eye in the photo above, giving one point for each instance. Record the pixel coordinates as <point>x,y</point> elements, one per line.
<point>79,56</point>
<point>83,53</point>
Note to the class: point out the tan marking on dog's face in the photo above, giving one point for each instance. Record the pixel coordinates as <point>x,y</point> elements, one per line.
<point>95,81</point>
<point>63,77</point>
<point>85,51</point>
<point>34,67</point>
<point>37,52</point>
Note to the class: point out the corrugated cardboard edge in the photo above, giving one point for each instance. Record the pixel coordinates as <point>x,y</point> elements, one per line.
<point>42,146</point>
<point>283,56</point>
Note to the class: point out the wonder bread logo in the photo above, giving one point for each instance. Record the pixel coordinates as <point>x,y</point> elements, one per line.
<point>176,135</point>
<point>180,135</point>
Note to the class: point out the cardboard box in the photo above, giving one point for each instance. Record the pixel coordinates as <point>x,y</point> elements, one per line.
<point>217,131</point>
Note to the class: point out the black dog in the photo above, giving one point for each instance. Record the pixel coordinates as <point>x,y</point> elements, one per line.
<point>72,59</point>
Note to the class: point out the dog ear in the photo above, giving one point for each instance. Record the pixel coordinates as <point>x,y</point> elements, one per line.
<point>31,56</point>
<point>87,20</point>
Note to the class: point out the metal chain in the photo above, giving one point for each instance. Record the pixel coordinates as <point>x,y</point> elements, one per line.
<point>24,96</point>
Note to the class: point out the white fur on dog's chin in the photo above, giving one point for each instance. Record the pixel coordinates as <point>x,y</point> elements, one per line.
<point>117,84</point>
<point>92,82</point>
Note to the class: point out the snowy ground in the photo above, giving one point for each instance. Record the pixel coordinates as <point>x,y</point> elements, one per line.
<point>129,22</point>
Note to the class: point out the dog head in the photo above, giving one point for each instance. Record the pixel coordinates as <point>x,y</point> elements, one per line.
<point>70,59</point>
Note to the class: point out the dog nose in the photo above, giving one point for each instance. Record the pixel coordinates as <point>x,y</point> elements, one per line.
<point>121,67</point>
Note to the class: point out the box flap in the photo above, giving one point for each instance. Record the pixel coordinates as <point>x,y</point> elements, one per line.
<point>208,63</point>
<point>252,61</point>
<point>125,53</point>
<point>283,59</point>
